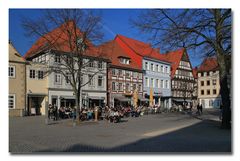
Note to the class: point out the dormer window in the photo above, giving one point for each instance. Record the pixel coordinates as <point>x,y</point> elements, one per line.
<point>124,60</point>
<point>57,59</point>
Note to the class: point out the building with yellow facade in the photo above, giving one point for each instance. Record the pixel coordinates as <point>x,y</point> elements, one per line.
<point>209,84</point>
<point>17,83</point>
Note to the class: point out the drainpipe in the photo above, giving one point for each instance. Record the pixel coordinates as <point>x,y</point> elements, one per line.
<point>25,92</point>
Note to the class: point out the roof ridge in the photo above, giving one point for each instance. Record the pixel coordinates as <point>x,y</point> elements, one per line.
<point>137,41</point>
<point>129,46</point>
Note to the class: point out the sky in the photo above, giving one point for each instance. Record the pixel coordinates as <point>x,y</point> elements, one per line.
<point>114,21</point>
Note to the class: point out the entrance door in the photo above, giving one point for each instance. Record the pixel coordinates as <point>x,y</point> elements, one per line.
<point>54,101</point>
<point>35,105</point>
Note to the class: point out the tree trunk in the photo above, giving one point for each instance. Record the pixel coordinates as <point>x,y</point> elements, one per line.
<point>225,93</point>
<point>222,62</point>
<point>77,105</point>
<point>226,111</point>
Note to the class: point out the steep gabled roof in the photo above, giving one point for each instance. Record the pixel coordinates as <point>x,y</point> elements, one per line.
<point>58,39</point>
<point>139,48</point>
<point>175,57</point>
<point>14,54</point>
<point>209,64</point>
<point>113,51</point>
<point>194,71</point>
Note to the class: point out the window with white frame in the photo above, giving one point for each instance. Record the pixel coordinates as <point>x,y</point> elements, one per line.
<point>100,81</point>
<point>127,89</point>
<point>40,74</point>
<point>43,58</point>
<point>114,86</point>
<point>57,79</point>
<point>156,68</point>
<point>120,72</point>
<point>139,75</point>
<point>152,67</point>
<point>91,80</point>
<point>166,69</point>
<point>162,68</point>
<point>11,101</point>
<point>162,85</point>
<point>134,87</point>
<point>135,74</point>
<point>146,65</point>
<point>100,65</point>
<point>91,63</point>
<point>114,73</point>
<point>32,74</point>
<point>157,83</point>
<point>128,73</point>
<point>57,59</point>
<point>139,87</point>
<point>68,78</point>
<point>120,86</point>
<point>127,61</point>
<point>11,71</point>
<point>152,82</point>
<point>166,83</point>
<point>69,60</point>
<point>214,82</point>
<point>37,59</point>
<point>146,81</point>
<point>124,61</point>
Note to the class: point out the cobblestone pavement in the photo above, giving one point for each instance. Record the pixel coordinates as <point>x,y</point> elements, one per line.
<point>171,132</point>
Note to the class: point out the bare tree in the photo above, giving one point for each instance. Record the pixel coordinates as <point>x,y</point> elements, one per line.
<point>206,31</point>
<point>67,34</point>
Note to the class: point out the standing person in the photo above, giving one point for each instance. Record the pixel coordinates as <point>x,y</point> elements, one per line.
<point>198,109</point>
<point>55,112</point>
<point>201,108</point>
<point>74,113</point>
<point>49,111</point>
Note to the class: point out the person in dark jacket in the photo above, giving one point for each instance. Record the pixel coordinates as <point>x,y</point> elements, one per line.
<point>198,109</point>
<point>201,108</point>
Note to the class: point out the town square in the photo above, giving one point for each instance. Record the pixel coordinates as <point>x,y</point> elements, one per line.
<point>155,81</point>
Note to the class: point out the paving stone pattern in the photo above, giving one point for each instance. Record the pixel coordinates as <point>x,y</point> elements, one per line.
<point>160,133</point>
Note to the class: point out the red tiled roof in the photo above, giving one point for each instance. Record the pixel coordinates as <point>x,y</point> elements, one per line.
<point>139,48</point>
<point>194,71</point>
<point>208,64</point>
<point>57,39</point>
<point>174,57</point>
<point>113,51</point>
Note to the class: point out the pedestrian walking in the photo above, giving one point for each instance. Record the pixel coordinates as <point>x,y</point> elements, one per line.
<point>49,111</point>
<point>55,109</point>
<point>198,109</point>
<point>74,113</point>
<point>201,109</point>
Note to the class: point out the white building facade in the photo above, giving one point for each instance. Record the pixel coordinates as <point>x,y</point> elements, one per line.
<point>209,89</point>
<point>59,89</point>
<point>157,76</point>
